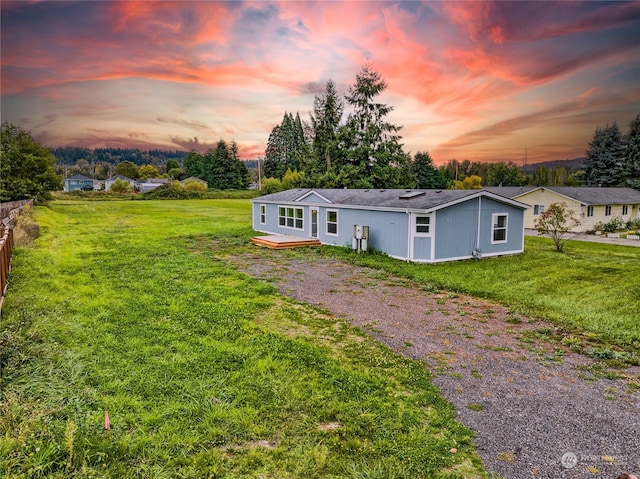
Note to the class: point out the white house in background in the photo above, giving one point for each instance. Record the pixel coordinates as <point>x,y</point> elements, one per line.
<point>110,181</point>
<point>151,184</point>
<point>591,205</point>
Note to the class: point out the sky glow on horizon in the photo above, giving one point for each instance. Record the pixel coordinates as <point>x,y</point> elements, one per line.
<point>483,81</point>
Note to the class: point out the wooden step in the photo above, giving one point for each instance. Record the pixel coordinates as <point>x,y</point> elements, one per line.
<point>284,241</point>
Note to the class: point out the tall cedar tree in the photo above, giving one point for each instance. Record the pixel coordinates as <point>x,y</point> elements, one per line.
<point>427,175</point>
<point>605,157</point>
<point>286,147</point>
<point>27,169</point>
<point>371,155</point>
<point>325,122</point>
<point>631,172</point>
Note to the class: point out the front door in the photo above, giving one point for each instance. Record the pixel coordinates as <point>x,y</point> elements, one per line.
<point>314,223</point>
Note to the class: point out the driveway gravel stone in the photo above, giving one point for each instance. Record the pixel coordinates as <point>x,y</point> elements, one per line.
<point>536,409</point>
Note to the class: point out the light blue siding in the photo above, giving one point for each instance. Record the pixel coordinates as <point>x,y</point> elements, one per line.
<point>457,229</point>
<point>455,232</point>
<point>387,229</point>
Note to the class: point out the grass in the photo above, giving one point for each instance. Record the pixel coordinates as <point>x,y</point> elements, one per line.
<point>128,308</point>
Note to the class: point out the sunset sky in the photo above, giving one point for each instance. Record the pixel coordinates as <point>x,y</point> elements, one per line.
<point>484,81</point>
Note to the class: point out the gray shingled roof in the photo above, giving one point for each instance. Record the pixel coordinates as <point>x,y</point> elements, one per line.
<point>584,194</point>
<point>384,198</point>
<point>78,177</point>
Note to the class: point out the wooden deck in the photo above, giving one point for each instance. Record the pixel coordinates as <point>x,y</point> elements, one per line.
<point>284,241</point>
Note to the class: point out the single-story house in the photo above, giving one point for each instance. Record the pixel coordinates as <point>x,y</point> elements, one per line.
<point>424,226</point>
<point>78,182</point>
<point>590,205</point>
<point>110,181</point>
<point>151,184</point>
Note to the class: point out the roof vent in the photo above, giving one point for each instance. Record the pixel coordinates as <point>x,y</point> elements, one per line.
<point>411,194</point>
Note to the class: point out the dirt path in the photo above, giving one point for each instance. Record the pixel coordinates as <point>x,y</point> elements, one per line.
<point>531,403</point>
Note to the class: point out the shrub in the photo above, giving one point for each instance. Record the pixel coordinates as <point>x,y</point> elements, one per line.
<point>271,185</point>
<point>612,226</point>
<point>196,186</point>
<point>121,186</point>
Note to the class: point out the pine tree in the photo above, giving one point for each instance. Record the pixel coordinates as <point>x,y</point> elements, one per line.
<point>631,170</point>
<point>605,156</point>
<point>371,155</point>
<point>325,122</point>
<point>286,147</point>
<point>427,175</point>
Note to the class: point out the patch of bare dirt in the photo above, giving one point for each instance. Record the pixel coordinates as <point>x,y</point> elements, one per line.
<point>536,409</point>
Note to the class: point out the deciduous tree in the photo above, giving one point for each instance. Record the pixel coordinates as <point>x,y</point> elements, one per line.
<point>128,169</point>
<point>556,221</point>
<point>27,169</point>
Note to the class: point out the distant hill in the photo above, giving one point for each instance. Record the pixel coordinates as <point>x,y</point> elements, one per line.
<point>575,164</point>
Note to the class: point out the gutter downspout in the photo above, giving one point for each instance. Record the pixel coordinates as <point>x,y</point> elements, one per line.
<point>478,230</point>
<point>408,235</point>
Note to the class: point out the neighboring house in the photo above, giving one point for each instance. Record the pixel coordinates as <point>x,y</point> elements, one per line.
<point>425,226</point>
<point>78,182</point>
<point>151,184</point>
<point>109,181</point>
<point>590,205</point>
<point>193,178</point>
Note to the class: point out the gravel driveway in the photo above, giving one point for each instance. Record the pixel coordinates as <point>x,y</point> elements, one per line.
<point>536,409</point>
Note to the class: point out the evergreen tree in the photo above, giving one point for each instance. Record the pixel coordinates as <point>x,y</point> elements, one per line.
<point>286,147</point>
<point>371,155</point>
<point>194,165</point>
<point>325,122</point>
<point>223,169</point>
<point>631,170</point>
<point>605,156</point>
<point>27,169</point>
<point>427,175</point>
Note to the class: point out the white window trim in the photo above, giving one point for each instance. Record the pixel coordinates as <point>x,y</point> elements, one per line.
<point>625,210</point>
<point>263,214</point>
<point>337,222</point>
<point>608,210</point>
<point>590,211</point>
<point>294,208</point>
<point>506,228</point>
<point>415,226</point>
<point>538,210</point>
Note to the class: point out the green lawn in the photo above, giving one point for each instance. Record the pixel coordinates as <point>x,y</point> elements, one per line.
<point>126,307</point>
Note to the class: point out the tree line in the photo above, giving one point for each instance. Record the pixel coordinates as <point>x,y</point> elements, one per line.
<point>364,150</point>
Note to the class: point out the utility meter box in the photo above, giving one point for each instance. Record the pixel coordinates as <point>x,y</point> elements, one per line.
<point>360,240</point>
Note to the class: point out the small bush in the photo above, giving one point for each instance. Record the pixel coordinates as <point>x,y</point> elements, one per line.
<point>612,226</point>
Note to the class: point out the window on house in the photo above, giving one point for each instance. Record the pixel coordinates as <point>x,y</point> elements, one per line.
<point>263,214</point>
<point>625,209</point>
<point>499,229</point>
<point>538,209</point>
<point>607,210</point>
<point>422,224</point>
<point>589,210</point>
<point>290,217</point>
<point>332,222</point>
